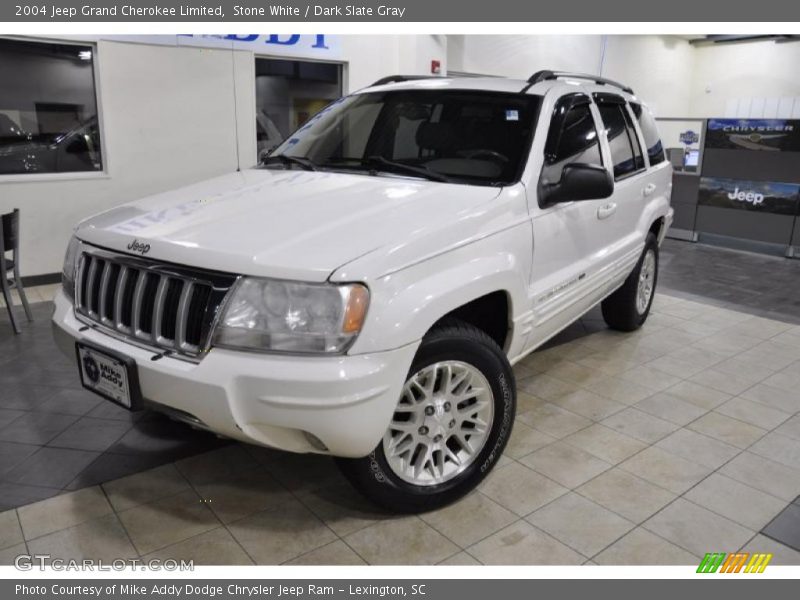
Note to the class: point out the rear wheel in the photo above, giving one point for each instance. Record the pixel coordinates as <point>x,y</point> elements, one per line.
<point>628,307</point>
<point>449,427</point>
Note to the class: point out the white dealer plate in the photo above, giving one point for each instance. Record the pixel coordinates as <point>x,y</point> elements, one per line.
<point>105,375</point>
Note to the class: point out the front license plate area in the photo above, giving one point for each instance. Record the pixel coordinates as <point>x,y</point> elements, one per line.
<point>112,376</point>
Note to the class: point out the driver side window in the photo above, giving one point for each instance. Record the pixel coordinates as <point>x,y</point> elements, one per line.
<point>572,138</point>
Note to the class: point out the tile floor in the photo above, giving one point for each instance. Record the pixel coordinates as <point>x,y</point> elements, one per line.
<point>620,455</point>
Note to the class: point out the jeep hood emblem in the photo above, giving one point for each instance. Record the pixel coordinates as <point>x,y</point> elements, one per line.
<point>137,246</point>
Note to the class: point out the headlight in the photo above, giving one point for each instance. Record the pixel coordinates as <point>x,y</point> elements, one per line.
<point>70,264</point>
<point>283,316</point>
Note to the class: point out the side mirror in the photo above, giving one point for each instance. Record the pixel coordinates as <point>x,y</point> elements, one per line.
<point>579,181</point>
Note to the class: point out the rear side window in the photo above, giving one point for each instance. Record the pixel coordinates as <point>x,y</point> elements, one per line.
<point>572,138</point>
<point>652,141</point>
<point>626,154</point>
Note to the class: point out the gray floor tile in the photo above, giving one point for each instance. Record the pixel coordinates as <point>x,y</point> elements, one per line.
<point>338,553</point>
<point>787,401</point>
<point>554,420</point>
<point>565,464</point>
<point>523,544</point>
<point>525,439</point>
<point>665,469</point>
<point>13,494</point>
<point>726,429</point>
<point>10,530</point>
<point>605,443</point>
<point>699,395</point>
<point>671,408</point>
<point>753,413</point>
<point>54,467</point>
<point>738,502</point>
<point>69,402</point>
<point>580,524</point>
<point>781,554</point>
<point>99,539</point>
<point>699,448</point>
<point>790,428</point>
<point>470,520</point>
<point>520,489</point>
<point>785,528</point>
<point>90,434</point>
<point>696,529</point>
<point>640,425</point>
<point>215,547</point>
<point>780,448</point>
<point>36,428</point>
<point>764,474</point>
<point>12,454</point>
<point>627,495</point>
<point>403,541</point>
<point>642,547</point>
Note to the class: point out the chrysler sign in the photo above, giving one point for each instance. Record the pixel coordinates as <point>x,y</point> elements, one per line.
<point>773,135</point>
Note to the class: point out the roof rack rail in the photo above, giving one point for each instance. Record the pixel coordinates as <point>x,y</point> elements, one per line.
<point>551,75</point>
<point>399,78</point>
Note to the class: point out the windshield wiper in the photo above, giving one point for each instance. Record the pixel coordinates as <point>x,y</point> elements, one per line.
<point>286,159</point>
<point>392,165</point>
<point>379,162</point>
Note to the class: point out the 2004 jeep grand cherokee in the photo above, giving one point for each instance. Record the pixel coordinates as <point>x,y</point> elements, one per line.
<point>364,291</point>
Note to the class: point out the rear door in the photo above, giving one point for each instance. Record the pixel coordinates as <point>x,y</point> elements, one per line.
<point>624,210</point>
<point>567,247</point>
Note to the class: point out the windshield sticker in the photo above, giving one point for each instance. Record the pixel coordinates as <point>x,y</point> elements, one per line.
<point>512,115</point>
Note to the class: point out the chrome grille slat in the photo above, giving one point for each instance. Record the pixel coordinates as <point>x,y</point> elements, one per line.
<point>158,310</point>
<point>91,277</point>
<point>122,280</point>
<point>103,298</point>
<point>136,311</point>
<point>153,305</point>
<point>183,316</point>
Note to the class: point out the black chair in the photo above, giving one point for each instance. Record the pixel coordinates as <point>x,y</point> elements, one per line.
<point>9,267</point>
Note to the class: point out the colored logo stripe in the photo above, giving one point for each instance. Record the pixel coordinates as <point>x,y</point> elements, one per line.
<point>711,562</point>
<point>734,563</point>
<point>758,563</point>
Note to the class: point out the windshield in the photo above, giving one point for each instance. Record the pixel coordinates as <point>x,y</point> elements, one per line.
<point>462,136</point>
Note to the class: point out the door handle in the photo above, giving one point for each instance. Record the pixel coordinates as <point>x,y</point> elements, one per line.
<point>648,189</point>
<point>606,210</point>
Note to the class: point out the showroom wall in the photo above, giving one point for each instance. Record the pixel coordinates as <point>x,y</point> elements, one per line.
<point>755,79</point>
<point>170,117</point>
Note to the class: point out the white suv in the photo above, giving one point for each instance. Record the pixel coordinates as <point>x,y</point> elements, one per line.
<point>364,291</point>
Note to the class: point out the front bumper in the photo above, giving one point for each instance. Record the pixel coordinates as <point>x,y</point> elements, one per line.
<point>346,402</point>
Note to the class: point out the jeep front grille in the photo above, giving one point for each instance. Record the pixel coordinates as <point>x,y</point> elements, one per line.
<point>158,305</point>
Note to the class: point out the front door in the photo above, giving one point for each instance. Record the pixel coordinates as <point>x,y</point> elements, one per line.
<point>568,245</point>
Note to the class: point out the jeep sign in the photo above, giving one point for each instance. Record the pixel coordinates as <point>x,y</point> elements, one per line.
<point>762,196</point>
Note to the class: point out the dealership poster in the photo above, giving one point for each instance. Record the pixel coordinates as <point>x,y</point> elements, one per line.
<point>758,196</point>
<point>771,135</point>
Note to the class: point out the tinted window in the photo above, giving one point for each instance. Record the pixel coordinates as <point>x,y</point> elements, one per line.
<point>572,139</point>
<point>652,141</point>
<point>48,108</point>
<point>467,136</point>
<point>626,155</point>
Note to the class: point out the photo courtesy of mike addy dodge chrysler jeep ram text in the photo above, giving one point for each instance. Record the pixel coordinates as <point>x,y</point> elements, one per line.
<point>364,291</point>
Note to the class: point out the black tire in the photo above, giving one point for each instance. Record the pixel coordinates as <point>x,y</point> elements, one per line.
<point>457,341</point>
<point>620,309</point>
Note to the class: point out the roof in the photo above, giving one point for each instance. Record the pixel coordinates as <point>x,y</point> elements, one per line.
<point>494,84</point>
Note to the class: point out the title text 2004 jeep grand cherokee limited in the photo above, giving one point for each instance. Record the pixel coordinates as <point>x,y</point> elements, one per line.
<point>364,292</point>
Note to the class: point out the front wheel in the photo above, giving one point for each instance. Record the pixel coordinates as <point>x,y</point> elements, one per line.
<point>450,425</point>
<point>628,307</point>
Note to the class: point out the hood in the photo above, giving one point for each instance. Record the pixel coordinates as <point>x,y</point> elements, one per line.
<point>284,224</point>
